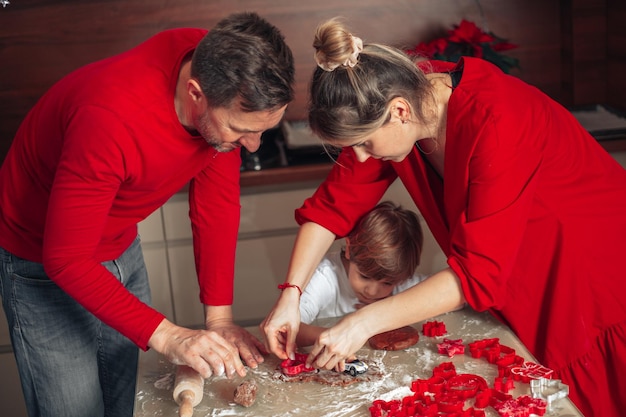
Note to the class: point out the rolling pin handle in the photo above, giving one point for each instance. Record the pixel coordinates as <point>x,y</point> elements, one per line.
<point>188,387</point>
<point>186,403</point>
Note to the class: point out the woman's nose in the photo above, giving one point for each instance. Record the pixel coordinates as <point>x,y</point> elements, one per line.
<point>361,154</point>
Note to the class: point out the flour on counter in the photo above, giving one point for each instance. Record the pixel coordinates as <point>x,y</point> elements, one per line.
<point>396,370</point>
<point>165,382</point>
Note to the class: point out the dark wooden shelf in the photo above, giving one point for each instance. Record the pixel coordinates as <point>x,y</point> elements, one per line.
<point>614,144</point>
<point>285,175</point>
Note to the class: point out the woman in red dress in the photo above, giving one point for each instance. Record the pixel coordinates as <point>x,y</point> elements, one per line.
<point>528,208</point>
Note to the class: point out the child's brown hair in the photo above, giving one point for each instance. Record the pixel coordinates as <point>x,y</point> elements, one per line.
<point>387,243</point>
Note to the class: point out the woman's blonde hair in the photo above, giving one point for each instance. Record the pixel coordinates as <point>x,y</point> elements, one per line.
<point>350,102</point>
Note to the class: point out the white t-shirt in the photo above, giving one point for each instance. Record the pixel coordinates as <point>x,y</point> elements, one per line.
<point>329,294</point>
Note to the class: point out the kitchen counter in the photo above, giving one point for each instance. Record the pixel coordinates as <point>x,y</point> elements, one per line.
<point>391,376</point>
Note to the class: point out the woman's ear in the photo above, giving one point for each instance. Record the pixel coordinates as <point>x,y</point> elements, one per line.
<point>347,249</point>
<point>400,110</point>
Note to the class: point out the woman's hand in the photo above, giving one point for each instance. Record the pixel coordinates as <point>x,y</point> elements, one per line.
<point>281,325</point>
<point>283,322</point>
<point>338,344</point>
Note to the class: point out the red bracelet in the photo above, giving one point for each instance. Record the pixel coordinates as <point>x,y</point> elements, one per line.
<point>288,285</point>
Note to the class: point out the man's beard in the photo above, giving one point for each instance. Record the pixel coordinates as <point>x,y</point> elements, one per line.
<point>203,126</point>
<point>218,145</point>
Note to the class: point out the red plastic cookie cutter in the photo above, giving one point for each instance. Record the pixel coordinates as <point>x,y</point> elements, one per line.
<point>490,396</point>
<point>446,370</point>
<point>445,393</point>
<point>434,328</point>
<point>522,406</point>
<point>508,362</point>
<point>296,366</point>
<point>486,348</point>
<point>451,347</point>
<point>529,371</point>
<point>464,386</point>
<point>433,385</point>
<point>503,383</point>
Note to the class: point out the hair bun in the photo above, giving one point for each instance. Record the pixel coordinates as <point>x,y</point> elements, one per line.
<point>335,46</point>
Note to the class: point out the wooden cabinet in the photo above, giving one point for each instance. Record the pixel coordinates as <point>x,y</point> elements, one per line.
<point>266,236</point>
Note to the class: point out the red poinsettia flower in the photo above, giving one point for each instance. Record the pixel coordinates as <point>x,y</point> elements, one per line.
<point>430,49</point>
<point>467,39</point>
<point>439,45</point>
<point>468,32</point>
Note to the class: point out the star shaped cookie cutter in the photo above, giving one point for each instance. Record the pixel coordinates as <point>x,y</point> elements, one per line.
<point>549,390</point>
<point>434,328</point>
<point>451,347</point>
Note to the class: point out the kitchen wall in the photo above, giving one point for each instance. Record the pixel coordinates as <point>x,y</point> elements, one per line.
<point>574,50</point>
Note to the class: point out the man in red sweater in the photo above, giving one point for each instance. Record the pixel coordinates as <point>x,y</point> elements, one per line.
<point>101,150</point>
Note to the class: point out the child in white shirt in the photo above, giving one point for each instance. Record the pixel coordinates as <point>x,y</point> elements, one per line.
<point>379,259</point>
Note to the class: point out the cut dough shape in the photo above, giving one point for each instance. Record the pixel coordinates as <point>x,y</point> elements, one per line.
<point>397,339</point>
<point>332,378</point>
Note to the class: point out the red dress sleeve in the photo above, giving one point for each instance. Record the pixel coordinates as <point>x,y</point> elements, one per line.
<point>351,189</point>
<point>490,191</point>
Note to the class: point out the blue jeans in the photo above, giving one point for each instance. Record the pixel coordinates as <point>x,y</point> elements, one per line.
<point>70,363</point>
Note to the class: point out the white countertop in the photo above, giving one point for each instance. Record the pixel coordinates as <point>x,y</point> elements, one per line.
<point>395,371</point>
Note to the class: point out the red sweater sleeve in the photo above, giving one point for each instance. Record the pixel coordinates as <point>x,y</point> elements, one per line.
<point>215,211</point>
<point>90,171</point>
<point>351,189</point>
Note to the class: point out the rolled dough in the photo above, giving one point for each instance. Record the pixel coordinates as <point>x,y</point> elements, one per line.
<point>397,339</point>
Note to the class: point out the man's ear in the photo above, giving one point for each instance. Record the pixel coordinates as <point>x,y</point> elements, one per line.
<point>194,90</point>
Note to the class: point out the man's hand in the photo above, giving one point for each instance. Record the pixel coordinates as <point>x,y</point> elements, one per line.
<point>220,320</point>
<point>251,350</point>
<point>206,351</point>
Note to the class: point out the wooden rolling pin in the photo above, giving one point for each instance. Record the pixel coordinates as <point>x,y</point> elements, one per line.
<point>188,390</point>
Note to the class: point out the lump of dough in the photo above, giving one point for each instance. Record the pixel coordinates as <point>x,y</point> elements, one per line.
<point>245,393</point>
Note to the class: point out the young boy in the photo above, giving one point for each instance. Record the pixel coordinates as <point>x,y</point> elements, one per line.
<point>379,259</point>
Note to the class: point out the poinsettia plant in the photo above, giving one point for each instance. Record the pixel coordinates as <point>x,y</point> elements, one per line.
<point>467,39</point>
